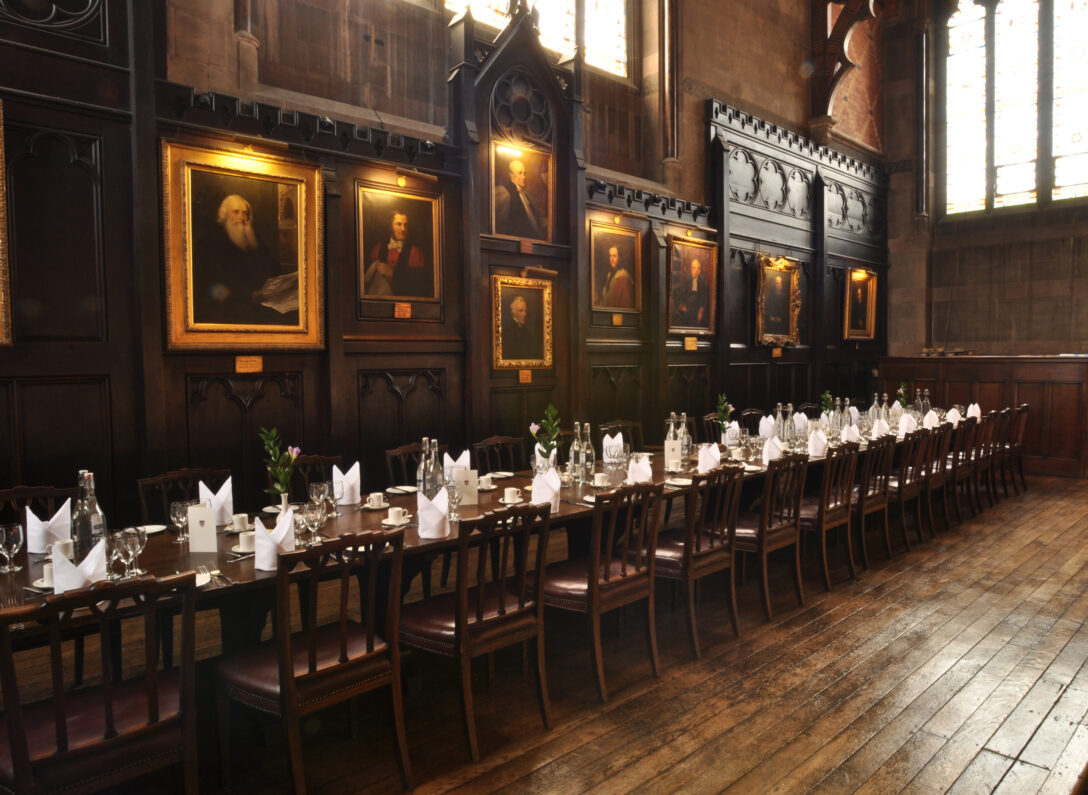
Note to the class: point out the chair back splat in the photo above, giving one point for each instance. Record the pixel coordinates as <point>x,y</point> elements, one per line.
<point>500,454</point>
<point>158,491</point>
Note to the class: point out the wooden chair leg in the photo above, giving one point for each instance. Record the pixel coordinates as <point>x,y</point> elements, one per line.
<point>293,727</point>
<point>929,512</point>
<point>651,633</point>
<point>944,507</point>
<point>850,549</point>
<point>542,681</point>
<point>953,491</point>
<point>222,709</point>
<point>765,583</point>
<point>77,677</point>
<point>598,656</point>
<point>823,558</point>
<point>693,630</point>
<point>863,543</point>
<point>733,598</point>
<point>918,518</point>
<point>466,704</point>
<point>447,558</point>
<point>1020,467</point>
<point>798,586</point>
<point>887,532</point>
<point>397,693</point>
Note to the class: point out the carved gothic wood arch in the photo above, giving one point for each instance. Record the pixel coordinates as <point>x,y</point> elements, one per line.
<point>830,56</point>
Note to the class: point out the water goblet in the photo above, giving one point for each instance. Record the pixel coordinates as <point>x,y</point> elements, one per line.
<point>179,515</point>
<point>319,492</point>
<point>335,493</point>
<point>11,541</point>
<point>136,540</point>
<point>120,550</point>
<point>115,551</point>
<point>313,516</point>
<point>455,494</point>
<point>300,526</point>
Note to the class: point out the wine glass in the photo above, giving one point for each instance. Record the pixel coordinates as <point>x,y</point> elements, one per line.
<point>319,492</point>
<point>136,540</point>
<point>300,526</point>
<point>11,541</point>
<point>179,515</point>
<point>314,514</point>
<point>335,491</point>
<point>115,551</point>
<point>455,494</point>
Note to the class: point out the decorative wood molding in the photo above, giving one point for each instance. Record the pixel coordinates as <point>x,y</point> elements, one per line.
<point>654,206</point>
<point>86,21</point>
<point>830,50</point>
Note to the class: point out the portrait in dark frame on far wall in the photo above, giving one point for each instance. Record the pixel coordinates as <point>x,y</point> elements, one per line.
<point>778,301</point>
<point>521,322</point>
<point>398,250</point>
<point>693,284</point>
<point>859,318</point>
<point>521,192</point>
<point>616,267</point>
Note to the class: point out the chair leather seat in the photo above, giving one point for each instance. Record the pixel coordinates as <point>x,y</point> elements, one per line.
<point>432,623</point>
<point>256,672</point>
<point>748,535</point>
<point>86,728</point>
<point>568,581</point>
<point>669,556</point>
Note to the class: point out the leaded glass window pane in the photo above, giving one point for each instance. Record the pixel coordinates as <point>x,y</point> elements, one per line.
<point>1070,99</point>
<point>1016,113</point>
<point>606,35</point>
<point>965,120</point>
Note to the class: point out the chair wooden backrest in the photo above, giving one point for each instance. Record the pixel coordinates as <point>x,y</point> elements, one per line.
<point>710,517</point>
<point>1002,432</point>
<point>347,557</point>
<point>963,441</point>
<point>124,714</point>
<point>500,453</point>
<point>43,500</point>
<point>989,435</point>
<point>158,491</point>
<point>712,428</point>
<point>496,593</point>
<point>1019,428</point>
<point>311,468</point>
<point>876,472</point>
<point>810,410</point>
<point>913,458</point>
<point>938,465</point>
<point>837,485</point>
<point>784,485</point>
<point>631,429</point>
<point>624,539</point>
<point>749,420</point>
<point>401,462</point>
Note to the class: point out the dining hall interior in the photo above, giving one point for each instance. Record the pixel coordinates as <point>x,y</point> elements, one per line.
<point>747,344</point>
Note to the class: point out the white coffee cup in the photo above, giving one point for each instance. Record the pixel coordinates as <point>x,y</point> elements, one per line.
<point>485,481</point>
<point>247,541</point>
<point>64,547</point>
<point>511,495</point>
<point>674,465</point>
<point>397,515</point>
<point>240,521</point>
<point>47,574</point>
<point>600,480</point>
<point>375,499</point>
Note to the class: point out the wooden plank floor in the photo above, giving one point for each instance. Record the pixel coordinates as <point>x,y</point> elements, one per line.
<point>959,666</point>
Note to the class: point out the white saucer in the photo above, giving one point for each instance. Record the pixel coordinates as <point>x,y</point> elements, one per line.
<point>151,529</point>
<point>486,488</point>
<point>368,507</point>
<point>237,550</point>
<point>231,530</point>
<point>202,580</point>
<point>401,490</point>
<point>500,475</point>
<point>752,468</point>
<point>276,508</point>
<point>390,523</point>
<point>41,583</point>
<point>589,498</point>
<point>515,502</point>
<point>678,481</point>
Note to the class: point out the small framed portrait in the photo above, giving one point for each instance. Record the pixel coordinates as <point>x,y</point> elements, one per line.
<point>521,192</point>
<point>778,301</point>
<point>243,249</point>
<point>398,245</point>
<point>859,321</point>
<point>521,322</point>
<point>6,338</point>
<point>693,286</point>
<point>615,256</point>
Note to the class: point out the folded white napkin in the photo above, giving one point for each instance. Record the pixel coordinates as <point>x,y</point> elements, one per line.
<point>222,503</point>
<point>880,428</point>
<point>612,446</point>
<point>854,414</point>
<point>351,482</point>
<point>710,457</point>
<point>895,412</point>
<point>639,471</point>
<point>67,576</point>
<point>434,520</point>
<point>731,434</point>
<point>907,424</point>
<point>41,534</point>
<point>850,433</point>
<point>953,416</point>
<point>766,427</point>
<point>270,543</point>
<point>546,489</point>
<point>772,449</point>
<point>817,444</point>
<point>448,464</point>
<point>800,422</point>
<point>974,410</point>
<point>930,420</point>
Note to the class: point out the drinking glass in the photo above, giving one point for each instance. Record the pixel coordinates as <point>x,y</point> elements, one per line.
<point>179,515</point>
<point>300,527</point>
<point>319,492</point>
<point>136,540</point>
<point>336,493</point>
<point>120,550</point>
<point>11,541</point>
<point>314,515</point>
<point>115,551</point>
<point>455,494</point>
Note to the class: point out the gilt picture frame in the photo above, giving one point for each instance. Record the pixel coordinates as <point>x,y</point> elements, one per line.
<point>521,323</point>
<point>615,257</point>
<point>859,305</point>
<point>399,255</point>
<point>6,332</point>
<point>778,301</point>
<point>243,249</point>
<point>521,192</point>
<point>693,286</point>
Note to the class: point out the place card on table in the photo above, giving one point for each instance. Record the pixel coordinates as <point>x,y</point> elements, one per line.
<point>202,529</point>
<point>469,483</point>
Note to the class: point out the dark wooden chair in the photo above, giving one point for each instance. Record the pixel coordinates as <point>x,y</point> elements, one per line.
<point>158,491</point>
<point>95,738</point>
<point>962,463</point>
<point>43,500</point>
<point>491,606</point>
<point>712,428</point>
<point>500,454</point>
<point>311,468</point>
<point>908,481</point>
<point>749,420</point>
<point>938,476</point>
<point>1000,449</point>
<point>401,463</point>
<point>983,480</point>
<point>831,508</point>
<point>618,570</point>
<point>810,410</point>
<point>1015,446</point>
<point>871,496</point>
<point>632,433</point>
<point>298,673</point>
<point>704,545</point>
<point>776,525</point>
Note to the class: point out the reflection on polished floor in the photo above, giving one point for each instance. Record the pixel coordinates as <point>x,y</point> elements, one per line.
<point>960,665</point>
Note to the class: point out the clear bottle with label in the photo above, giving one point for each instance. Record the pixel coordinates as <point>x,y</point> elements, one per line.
<point>421,467</point>
<point>847,417</point>
<point>589,454</point>
<point>685,438</point>
<point>574,460</point>
<point>436,480</point>
<point>88,520</point>
<point>673,446</point>
<point>926,405</point>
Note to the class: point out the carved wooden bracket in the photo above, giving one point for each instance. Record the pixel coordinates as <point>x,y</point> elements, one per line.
<point>830,60</point>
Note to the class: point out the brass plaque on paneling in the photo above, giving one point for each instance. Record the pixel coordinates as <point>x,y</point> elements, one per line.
<point>525,376</point>
<point>691,343</point>
<point>248,364</point>
<point>617,319</point>
<point>525,246</point>
<point>776,353</point>
<point>402,310</point>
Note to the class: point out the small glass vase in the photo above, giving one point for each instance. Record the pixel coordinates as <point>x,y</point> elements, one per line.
<point>283,503</point>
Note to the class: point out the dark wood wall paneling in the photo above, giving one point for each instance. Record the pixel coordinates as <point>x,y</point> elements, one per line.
<point>1056,442</point>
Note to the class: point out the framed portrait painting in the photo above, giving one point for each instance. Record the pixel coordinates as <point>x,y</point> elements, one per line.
<point>859,321</point>
<point>398,245</point>
<point>693,286</point>
<point>6,337</point>
<point>615,257</point>
<point>778,301</point>
<point>243,249</point>
<point>521,322</point>
<point>521,192</point>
